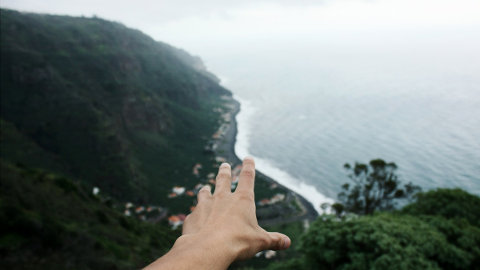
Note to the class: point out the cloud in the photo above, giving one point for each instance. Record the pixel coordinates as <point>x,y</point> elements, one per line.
<point>158,11</point>
<point>204,25</point>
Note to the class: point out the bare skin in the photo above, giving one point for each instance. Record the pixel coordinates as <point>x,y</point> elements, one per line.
<point>223,228</point>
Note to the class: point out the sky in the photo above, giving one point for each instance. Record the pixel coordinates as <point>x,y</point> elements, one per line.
<point>210,28</point>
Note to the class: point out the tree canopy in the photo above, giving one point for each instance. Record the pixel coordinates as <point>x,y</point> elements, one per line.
<point>375,187</point>
<point>417,237</point>
<point>448,203</point>
<point>440,229</point>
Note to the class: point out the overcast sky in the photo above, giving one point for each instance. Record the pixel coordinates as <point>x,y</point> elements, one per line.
<point>196,25</point>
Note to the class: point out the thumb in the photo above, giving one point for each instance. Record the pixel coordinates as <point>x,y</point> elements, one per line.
<point>278,241</point>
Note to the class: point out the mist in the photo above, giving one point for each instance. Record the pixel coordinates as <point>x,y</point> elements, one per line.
<point>213,29</point>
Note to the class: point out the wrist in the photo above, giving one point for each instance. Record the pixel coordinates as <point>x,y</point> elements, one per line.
<point>207,250</point>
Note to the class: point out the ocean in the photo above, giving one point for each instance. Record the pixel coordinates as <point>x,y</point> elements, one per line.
<point>304,114</point>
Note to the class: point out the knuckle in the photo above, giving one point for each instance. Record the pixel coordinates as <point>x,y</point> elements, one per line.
<point>188,218</point>
<point>249,161</point>
<point>245,196</point>
<point>220,195</point>
<point>223,174</point>
<point>203,195</point>
<point>278,243</point>
<point>204,191</point>
<point>265,241</point>
<point>249,172</point>
<point>203,203</point>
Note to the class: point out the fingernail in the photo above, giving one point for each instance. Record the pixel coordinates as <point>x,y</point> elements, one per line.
<point>225,165</point>
<point>286,242</point>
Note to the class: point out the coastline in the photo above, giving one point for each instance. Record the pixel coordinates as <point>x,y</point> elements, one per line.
<point>227,149</point>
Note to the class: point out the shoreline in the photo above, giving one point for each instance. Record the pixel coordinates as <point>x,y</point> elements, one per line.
<point>227,149</point>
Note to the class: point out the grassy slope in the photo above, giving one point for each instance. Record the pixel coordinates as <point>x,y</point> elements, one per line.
<point>50,222</point>
<point>105,103</point>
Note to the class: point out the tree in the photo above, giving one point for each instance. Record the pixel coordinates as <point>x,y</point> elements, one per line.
<point>448,203</point>
<point>426,234</point>
<point>376,187</point>
<point>388,241</point>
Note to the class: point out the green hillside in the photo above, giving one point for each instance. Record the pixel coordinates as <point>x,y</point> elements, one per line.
<point>97,101</point>
<point>89,103</point>
<point>50,222</point>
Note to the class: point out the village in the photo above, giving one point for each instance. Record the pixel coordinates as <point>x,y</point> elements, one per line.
<point>272,207</point>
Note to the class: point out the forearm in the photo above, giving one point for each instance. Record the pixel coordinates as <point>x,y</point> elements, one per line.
<point>195,252</point>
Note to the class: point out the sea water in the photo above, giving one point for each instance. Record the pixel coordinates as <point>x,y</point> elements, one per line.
<point>304,114</point>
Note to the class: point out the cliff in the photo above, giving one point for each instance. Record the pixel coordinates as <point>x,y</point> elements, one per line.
<point>103,103</point>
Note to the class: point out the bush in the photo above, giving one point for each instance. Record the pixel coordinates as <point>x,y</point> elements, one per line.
<point>382,241</point>
<point>448,203</point>
<point>439,231</point>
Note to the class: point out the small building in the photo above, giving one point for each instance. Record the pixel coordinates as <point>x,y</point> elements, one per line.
<point>220,159</point>
<point>277,198</point>
<point>174,221</point>
<point>178,190</point>
<point>270,254</point>
<point>263,202</point>
<point>196,168</point>
<point>198,187</point>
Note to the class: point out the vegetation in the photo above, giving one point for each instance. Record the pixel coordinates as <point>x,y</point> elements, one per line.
<point>105,104</point>
<point>447,203</point>
<point>376,187</point>
<point>48,221</point>
<point>91,103</point>
<point>440,230</point>
<point>389,241</point>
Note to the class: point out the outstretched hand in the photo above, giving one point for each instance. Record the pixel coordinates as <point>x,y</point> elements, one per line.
<point>223,227</point>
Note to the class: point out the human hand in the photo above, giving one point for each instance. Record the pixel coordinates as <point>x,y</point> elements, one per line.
<point>223,227</point>
<point>231,216</point>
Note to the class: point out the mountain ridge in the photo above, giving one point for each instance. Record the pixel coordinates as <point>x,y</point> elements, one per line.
<point>105,98</point>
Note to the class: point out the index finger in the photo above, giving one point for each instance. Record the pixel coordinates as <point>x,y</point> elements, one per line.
<point>246,180</point>
<point>224,179</point>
